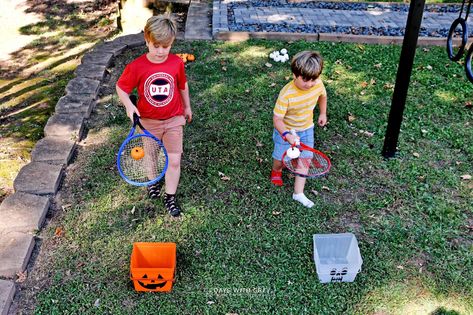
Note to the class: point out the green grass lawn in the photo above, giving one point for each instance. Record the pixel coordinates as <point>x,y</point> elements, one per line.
<point>243,246</point>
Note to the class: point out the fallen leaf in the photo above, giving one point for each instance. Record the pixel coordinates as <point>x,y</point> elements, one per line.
<point>400,267</point>
<point>423,131</point>
<point>429,67</point>
<point>363,92</point>
<point>223,176</point>
<point>247,91</point>
<point>133,210</point>
<point>259,144</point>
<point>59,232</point>
<point>416,154</point>
<point>325,188</point>
<point>368,134</point>
<point>468,104</point>
<point>276,213</point>
<point>21,276</point>
<point>378,65</point>
<point>364,84</point>
<point>224,68</point>
<point>315,192</point>
<point>287,78</point>
<point>210,302</point>
<point>425,49</point>
<point>272,84</point>
<point>373,82</point>
<point>388,86</point>
<point>466,177</point>
<point>268,65</point>
<point>97,303</point>
<point>351,118</point>
<point>349,67</point>
<point>218,50</point>
<point>338,62</point>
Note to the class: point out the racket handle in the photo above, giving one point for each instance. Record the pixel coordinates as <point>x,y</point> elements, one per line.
<point>136,118</point>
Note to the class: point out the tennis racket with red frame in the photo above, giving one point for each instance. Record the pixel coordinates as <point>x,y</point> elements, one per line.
<point>307,162</point>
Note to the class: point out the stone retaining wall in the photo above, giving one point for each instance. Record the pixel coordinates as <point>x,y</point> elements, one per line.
<point>24,212</point>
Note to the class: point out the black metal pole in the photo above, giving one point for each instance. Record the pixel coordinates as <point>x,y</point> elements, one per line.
<point>414,19</point>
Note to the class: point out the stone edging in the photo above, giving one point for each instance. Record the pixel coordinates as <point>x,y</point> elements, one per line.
<point>330,37</point>
<point>24,212</point>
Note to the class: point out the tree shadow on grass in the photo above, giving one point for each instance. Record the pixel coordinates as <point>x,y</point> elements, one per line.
<point>34,77</point>
<point>64,26</point>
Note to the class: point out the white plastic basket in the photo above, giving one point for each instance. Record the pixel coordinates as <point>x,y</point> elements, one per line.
<point>337,257</point>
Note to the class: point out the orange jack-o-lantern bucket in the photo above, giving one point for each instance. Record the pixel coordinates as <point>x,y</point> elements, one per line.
<point>153,266</point>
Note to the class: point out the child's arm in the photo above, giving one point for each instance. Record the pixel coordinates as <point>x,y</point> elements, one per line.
<point>323,110</point>
<point>129,106</point>
<point>187,103</point>
<point>281,128</point>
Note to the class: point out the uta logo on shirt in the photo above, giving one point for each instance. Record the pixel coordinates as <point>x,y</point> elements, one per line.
<point>158,89</point>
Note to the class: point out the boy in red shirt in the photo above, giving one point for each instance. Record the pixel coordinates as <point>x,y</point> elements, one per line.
<point>163,99</point>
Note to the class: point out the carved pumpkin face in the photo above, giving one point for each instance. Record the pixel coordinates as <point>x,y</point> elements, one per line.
<point>152,284</point>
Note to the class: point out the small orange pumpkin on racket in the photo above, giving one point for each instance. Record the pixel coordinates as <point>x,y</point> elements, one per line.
<point>137,153</point>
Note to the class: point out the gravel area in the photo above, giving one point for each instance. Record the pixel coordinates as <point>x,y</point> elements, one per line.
<point>382,30</point>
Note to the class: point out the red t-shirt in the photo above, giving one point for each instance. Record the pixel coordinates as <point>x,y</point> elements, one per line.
<point>158,86</point>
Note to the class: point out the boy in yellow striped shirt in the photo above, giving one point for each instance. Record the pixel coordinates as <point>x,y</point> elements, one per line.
<point>294,109</point>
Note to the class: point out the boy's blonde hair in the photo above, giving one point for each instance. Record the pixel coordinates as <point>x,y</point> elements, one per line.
<point>308,64</point>
<point>160,29</point>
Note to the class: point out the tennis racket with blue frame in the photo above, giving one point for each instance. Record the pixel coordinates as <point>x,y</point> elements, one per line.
<point>142,159</point>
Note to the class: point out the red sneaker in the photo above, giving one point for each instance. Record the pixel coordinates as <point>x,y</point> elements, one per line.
<point>276,178</point>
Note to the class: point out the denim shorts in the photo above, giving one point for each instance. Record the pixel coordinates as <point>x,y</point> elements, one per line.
<point>280,146</point>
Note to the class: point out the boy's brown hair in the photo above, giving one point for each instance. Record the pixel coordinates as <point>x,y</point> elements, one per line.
<point>308,64</point>
<point>160,29</point>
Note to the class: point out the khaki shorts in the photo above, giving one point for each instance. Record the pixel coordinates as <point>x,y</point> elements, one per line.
<point>169,131</point>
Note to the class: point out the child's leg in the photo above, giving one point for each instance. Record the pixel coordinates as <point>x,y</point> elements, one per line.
<point>277,165</point>
<point>298,194</point>
<point>307,137</point>
<point>173,173</point>
<point>280,146</point>
<point>276,173</point>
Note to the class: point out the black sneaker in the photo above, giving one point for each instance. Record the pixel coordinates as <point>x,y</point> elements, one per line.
<point>171,205</point>
<point>154,190</point>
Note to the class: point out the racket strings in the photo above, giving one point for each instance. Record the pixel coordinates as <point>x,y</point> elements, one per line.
<point>144,167</point>
<point>307,166</point>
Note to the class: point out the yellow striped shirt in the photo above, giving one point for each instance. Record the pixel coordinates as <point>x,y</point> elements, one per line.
<point>296,106</point>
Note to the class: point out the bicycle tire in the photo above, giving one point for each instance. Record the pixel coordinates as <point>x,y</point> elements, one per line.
<point>451,55</point>
<point>469,56</point>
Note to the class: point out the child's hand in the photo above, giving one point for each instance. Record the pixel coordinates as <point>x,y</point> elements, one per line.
<point>130,110</point>
<point>293,139</point>
<point>322,121</point>
<point>188,114</point>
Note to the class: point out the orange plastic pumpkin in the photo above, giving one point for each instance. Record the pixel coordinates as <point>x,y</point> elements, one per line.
<point>137,153</point>
<point>190,57</point>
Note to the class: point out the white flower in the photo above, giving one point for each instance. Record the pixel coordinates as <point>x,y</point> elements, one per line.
<point>284,51</point>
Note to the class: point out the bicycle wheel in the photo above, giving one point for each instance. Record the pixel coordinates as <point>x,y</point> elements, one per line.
<point>469,56</point>
<point>456,52</point>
